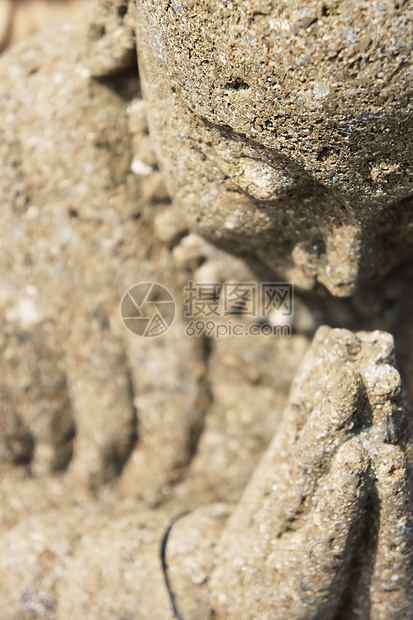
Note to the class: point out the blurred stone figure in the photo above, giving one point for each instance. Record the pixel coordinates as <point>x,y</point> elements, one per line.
<point>19,18</point>
<point>195,477</point>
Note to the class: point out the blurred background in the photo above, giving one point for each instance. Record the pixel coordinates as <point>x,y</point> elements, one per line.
<point>19,18</point>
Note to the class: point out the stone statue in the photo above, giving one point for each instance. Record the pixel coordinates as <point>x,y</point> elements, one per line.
<point>323,529</point>
<point>285,130</point>
<point>284,136</point>
<point>325,524</point>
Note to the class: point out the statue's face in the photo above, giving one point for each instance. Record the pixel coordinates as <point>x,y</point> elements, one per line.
<point>286,132</point>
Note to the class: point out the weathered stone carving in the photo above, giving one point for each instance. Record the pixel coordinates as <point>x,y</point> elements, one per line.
<point>285,130</point>
<point>324,528</point>
<point>176,423</point>
<point>79,395</point>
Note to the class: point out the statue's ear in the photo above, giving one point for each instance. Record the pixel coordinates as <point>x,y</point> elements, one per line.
<point>111,37</point>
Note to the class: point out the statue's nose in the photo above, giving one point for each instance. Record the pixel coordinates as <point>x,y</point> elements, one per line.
<point>336,265</point>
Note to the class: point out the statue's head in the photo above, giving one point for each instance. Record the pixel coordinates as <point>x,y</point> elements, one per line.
<point>286,129</point>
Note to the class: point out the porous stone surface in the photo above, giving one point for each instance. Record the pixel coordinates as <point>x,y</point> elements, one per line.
<point>20,18</point>
<point>62,126</point>
<point>249,378</point>
<point>89,561</point>
<point>324,528</point>
<point>85,216</point>
<point>111,37</point>
<point>190,556</point>
<point>91,414</point>
<point>285,130</point>
<point>97,425</point>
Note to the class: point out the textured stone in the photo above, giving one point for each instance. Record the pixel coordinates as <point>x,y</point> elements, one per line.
<point>18,19</point>
<point>177,422</point>
<point>80,395</point>
<point>98,562</point>
<point>190,557</point>
<point>285,130</point>
<point>77,221</point>
<point>249,379</point>
<point>53,203</point>
<point>111,40</point>
<point>324,528</point>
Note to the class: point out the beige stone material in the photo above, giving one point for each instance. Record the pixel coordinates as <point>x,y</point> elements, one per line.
<point>80,396</point>
<point>20,18</point>
<point>285,130</point>
<point>324,528</point>
<point>284,134</point>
